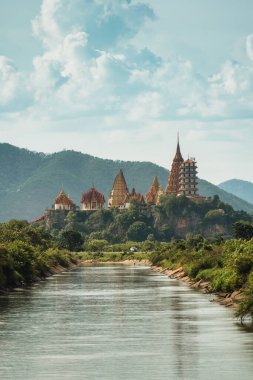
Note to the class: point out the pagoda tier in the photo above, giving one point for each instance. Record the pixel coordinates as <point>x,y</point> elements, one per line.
<point>188,178</point>
<point>119,191</point>
<point>154,192</point>
<point>174,176</point>
<point>63,202</point>
<point>92,200</point>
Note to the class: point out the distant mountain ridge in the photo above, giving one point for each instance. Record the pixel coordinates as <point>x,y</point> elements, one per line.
<point>30,181</point>
<point>240,188</point>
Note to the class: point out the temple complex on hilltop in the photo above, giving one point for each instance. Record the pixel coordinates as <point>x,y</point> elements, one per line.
<point>182,181</point>
<point>92,200</point>
<point>154,192</point>
<point>174,177</point>
<point>119,191</point>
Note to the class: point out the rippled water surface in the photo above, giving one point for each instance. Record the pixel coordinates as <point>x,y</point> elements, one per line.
<point>119,322</point>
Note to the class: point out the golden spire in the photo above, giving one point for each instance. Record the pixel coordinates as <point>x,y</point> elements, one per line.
<point>151,195</point>
<point>119,191</point>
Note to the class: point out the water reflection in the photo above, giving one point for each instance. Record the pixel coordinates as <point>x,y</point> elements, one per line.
<point>119,322</point>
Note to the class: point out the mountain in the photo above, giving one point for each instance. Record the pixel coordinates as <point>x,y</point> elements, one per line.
<point>30,181</point>
<point>240,188</point>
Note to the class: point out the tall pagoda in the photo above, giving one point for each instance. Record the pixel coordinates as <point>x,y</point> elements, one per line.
<point>119,191</point>
<point>174,176</point>
<point>154,192</point>
<point>188,178</point>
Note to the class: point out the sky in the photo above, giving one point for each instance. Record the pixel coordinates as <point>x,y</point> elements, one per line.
<point>120,78</point>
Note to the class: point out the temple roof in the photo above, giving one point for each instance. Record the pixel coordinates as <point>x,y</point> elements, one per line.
<point>119,191</point>
<point>39,218</point>
<point>151,195</point>
<point>189,161</point>
<point>178,155</point>
<point>135,195</point>
<point>93,195</point>
<point>63,199</point>
<point>120,182</point>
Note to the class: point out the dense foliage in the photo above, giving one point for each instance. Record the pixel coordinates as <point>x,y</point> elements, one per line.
<point>175,217</point>
<point>227,265</point>
<point>27,253</point>
<point>30,181</point>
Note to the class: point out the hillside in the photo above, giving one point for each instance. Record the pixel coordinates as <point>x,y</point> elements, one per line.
<point>30,181</point>
<point>240,188</point>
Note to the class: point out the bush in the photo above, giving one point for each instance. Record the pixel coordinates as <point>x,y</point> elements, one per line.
<point>71,240</point>
<point>138,231</point>
<point>222,279</point>
<point>242,230</point>
<point>246,305</point>
<point>96,245</point>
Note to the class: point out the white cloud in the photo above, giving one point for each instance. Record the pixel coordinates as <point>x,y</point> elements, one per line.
<point>90,67</point>
<point>45,26</point>
<point>14,87</point>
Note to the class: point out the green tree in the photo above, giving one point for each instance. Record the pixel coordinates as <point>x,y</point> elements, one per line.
<point>96,245</point>
<point>243,230</point>
<point>138,231</point>
<point>71,240</point>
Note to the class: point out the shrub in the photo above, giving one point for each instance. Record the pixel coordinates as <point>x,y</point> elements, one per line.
<point>246,305</point>
<point>96,245</point>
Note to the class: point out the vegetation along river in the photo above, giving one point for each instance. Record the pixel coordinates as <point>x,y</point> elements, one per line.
<point>116,322</point>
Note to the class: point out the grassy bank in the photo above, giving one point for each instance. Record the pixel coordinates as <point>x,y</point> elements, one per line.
<point>28,254</point>
<point>228,266</point>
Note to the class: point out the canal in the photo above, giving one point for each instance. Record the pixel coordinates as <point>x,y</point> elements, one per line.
<point>118,322</point>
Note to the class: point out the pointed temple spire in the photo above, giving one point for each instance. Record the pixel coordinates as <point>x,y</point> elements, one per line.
<point>174,176</point>
<point>119,191</point>
<point>154,192</point>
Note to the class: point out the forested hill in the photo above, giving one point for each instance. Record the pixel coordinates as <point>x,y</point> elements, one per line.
<point>30,181</point>
<point>240,188</point>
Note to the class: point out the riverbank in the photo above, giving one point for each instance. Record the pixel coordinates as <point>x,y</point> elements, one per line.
<point>227,299</point>
<point>36,279</point>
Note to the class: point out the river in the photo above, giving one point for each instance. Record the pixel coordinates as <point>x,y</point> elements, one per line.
<point>116,322</point>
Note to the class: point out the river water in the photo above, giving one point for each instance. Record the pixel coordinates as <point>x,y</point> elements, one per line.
<point>116,322</point>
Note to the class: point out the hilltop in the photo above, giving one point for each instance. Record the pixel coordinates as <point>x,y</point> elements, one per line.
<point>29,181</point>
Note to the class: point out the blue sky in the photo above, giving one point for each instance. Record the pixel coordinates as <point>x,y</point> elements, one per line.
<point>118,78</point>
